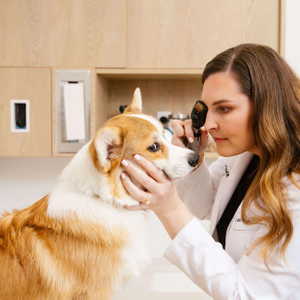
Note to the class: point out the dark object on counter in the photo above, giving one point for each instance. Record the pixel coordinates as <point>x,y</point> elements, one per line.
<point>164,120</point>
<point>122,108</point>
<point>178,116</point>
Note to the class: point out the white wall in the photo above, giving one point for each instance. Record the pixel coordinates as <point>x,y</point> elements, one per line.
<point>23,181</point>
<point>292,35</point>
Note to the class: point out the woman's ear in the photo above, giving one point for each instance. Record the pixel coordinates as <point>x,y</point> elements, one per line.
<point>108,145</point>
<point>136,103</point>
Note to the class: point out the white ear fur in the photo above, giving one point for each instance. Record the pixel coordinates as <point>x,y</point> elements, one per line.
<point>108,144</point>
<point>137,98</point>
<point>136,103</point>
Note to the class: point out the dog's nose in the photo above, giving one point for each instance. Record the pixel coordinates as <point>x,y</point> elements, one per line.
<point>193,159</point>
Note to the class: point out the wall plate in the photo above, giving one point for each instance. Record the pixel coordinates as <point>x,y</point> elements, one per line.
<point>19,116</point>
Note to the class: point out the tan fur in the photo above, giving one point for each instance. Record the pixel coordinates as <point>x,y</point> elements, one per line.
<point>128,145</point>
<point>46,258</point>
<point>67,258</point>
<point>52,250</point>
<point>42,258</point>
<point>145,131</point>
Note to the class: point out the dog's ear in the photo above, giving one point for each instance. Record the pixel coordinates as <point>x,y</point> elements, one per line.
<point>136,103</point>
<point>108,145</point>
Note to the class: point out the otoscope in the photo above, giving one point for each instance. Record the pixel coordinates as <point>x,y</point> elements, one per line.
<point>198,116</point>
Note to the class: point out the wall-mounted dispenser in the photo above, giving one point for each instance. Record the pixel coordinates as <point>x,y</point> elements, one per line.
<point>72,105</point>
<point>19,116</point>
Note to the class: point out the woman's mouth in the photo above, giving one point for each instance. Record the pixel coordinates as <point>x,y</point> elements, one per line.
<point>219,140</point>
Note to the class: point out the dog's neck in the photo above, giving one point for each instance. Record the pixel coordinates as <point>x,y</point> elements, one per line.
<point>83,181</point>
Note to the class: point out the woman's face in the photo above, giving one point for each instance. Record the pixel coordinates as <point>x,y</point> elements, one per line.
<point>229,115</point>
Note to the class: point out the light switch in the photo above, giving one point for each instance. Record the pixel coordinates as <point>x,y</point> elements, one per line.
<point>19,115</point>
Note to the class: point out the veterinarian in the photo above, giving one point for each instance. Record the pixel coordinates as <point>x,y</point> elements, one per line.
<point>251,193</point>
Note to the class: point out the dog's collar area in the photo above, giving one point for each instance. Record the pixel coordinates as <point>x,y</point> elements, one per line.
<point>97,196</point>
<point>94,195</point>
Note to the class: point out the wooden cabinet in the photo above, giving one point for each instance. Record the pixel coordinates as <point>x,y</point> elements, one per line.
<point>163,90</point>
<point>187,34</point>
<point>132,33</point>
<point>68,33</point>
<point>169,43</point>
<point>33,84</point>
<point>174,90</point>
<point>160,46</point>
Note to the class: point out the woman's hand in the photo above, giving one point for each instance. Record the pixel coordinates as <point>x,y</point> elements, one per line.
<point>161,194</point>
<point>184,129</point>
<point>160,189</point>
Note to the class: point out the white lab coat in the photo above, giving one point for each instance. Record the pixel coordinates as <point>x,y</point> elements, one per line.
<point>232,274</point>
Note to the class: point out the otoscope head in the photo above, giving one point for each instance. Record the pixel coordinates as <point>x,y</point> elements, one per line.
<point>198,114</point>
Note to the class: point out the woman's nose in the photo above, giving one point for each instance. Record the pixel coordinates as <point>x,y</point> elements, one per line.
<point>210,122</point>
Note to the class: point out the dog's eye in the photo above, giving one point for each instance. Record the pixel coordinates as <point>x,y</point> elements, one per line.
<point>155,147</point>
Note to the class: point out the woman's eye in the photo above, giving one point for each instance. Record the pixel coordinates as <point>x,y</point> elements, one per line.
<point>155,147</point>
<point>223,109</point>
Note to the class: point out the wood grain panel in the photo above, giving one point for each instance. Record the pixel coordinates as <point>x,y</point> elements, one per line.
<point>99,110</point>
<point>158,95</point>
<point>71,33</point>
<point>187,34</point>
<point>33,84</point>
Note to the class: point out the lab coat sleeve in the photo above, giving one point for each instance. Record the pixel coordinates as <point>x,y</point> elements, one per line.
<point>198,189</point>
<point>206,263</point>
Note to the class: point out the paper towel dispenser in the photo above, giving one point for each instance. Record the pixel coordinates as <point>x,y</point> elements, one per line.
<point>72,108</point>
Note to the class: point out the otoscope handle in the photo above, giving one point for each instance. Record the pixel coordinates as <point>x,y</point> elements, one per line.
<point>192,146</point>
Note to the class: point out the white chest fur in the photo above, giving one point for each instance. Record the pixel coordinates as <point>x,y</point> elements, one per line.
<point>134,256</point>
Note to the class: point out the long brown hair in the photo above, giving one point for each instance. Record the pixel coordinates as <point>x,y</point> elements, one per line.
<point>274,91</point>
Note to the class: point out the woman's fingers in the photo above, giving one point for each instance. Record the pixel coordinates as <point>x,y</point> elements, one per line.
<point>157,174</point>
<point>133,190</point>
<point>189,133</point>
<point>151,180</point>
<point>178,127</point>
<point>137,207</point>
<point>178,133</point>
<point>161,195</point>
<point>184,130</point>
<point>181,131</point>
<point>147,182</point>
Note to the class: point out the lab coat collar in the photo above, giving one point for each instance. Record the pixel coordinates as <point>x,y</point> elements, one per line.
<point>233,172</point>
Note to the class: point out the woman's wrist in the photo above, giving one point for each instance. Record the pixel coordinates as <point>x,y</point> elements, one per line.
<point>175,219</point>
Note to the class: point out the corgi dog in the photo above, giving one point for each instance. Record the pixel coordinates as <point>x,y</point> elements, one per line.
<point>80,242</point>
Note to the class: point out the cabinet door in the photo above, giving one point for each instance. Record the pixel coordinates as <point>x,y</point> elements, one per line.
<point>68,33</point>
<point>33,84</point>
<point>187,34</point>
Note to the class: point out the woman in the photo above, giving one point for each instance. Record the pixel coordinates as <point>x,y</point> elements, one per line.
<point>251,193</point>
